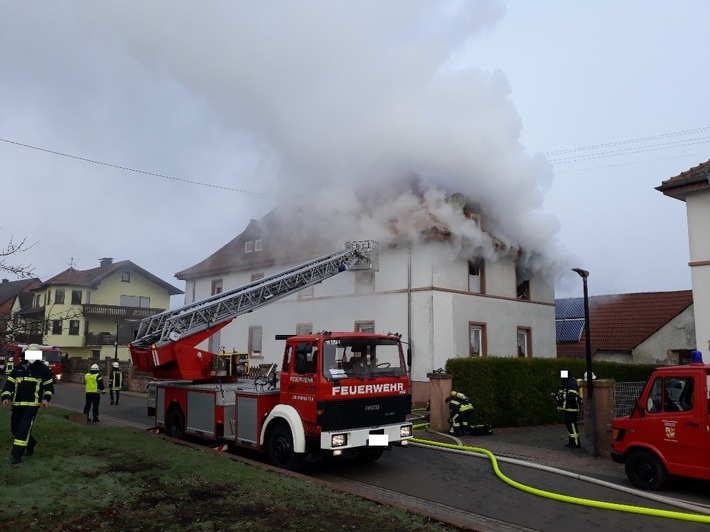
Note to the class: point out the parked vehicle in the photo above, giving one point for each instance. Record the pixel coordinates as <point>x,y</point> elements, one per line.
<point>668,431</point>
<point>334,392</point>
<point>11,352</point>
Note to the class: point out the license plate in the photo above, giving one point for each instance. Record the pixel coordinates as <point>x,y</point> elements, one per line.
<point>378,440</point>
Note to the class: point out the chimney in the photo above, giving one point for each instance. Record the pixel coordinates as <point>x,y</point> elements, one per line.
<point>106,261</point>
<point>6,280</point>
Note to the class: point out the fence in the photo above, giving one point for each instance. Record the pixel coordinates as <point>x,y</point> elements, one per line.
<point>625,395</point>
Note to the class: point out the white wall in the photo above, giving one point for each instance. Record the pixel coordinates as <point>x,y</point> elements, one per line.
<point>677,334</point>
<point>698,210</point>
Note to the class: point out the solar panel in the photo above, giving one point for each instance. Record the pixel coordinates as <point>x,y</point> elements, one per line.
<point>558,328</point>
<point>571,330</point>
<point>571,307</point>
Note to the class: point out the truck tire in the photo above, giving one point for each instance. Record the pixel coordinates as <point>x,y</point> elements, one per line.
<point>175,422</point>
<point>366,456</point>
<point>280,448</point>
<point>645,470</point>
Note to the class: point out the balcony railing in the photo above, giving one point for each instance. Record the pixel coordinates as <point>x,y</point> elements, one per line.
<point>119,313</point>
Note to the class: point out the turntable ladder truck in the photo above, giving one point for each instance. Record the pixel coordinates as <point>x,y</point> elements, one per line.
<point>336,393</point>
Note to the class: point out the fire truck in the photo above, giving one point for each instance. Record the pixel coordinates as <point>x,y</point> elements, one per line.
<point>668,430</point>
<point>334,393</point>
<point>11,352</point>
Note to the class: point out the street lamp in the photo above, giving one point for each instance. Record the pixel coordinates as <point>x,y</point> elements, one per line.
<point>590,429</point>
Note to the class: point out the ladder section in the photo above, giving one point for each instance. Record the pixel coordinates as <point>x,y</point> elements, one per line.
<point>173,325</point>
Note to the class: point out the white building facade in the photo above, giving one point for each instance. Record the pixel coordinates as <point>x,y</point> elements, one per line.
<point>442,305</point>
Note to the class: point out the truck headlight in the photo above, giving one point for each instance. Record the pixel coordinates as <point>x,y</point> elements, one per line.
<point>405,431</point>
<point>338,440</point>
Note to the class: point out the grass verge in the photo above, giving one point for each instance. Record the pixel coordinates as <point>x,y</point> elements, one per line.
<point>92,477</point>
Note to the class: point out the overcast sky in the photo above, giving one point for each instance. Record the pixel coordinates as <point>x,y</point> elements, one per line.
<point>561,117</point>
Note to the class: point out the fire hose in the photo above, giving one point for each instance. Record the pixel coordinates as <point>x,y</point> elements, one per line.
<point>566,498</point>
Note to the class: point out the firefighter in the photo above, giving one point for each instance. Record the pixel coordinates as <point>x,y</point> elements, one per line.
<point>29,387</point>
<point>460,411</point>
<point>115,382</point>
<point>568,402</point>
<point>94,385</point>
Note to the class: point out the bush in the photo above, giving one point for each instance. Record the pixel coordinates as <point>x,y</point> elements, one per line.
<point>515,392</point>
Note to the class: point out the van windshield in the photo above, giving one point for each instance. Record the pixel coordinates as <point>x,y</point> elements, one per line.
<point>361,358</point>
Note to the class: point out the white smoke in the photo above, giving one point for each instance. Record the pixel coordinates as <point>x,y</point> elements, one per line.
<point>354,109</point>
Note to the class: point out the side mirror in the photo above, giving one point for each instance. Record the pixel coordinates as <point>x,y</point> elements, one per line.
<point>409,357</point>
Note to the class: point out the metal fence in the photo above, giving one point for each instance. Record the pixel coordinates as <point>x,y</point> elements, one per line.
<point>625,395</point>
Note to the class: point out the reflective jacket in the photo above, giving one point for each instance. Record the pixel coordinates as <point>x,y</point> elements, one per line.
<point>116,379</point>
<point>568,399</point>
<point>29,384</point>
<point>458,403</point>
<point>94,383</point>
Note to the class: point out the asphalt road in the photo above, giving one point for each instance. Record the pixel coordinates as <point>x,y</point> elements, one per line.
<point>462,488</point>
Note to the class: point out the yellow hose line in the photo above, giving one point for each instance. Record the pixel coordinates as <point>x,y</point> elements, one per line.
<point>566,498</point>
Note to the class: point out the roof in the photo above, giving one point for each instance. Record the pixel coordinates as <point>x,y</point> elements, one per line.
<point>275,232</point>
<point>693,180</point>
<point>619,322</point>
<point>94,276</point>
<point>11,289</point>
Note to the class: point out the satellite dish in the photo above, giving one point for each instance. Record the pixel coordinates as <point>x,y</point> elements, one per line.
<point>457,200</point>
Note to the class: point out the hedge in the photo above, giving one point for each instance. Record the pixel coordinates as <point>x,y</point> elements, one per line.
<point>516,392</point>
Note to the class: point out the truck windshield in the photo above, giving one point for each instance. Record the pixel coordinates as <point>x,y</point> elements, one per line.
<point>52,356</point>
<point>362,358</point>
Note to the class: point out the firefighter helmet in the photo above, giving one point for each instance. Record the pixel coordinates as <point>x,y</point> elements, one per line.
<point>115,365</point>
<point>94,367</point>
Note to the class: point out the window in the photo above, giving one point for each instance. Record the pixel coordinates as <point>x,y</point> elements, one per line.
<point>248,247</point>
<point>76,297</point>
<point>671,394</point>
<point>524,347</point>
<point>36,300</point>
<point>365,326</point>
<point>304,328</point>
<point>74,327</point>
<point>56,326</point>
<point>254,347</point>
<point>125,277</point>
<point>216,287</point>
<point>258,244</point>
<point>135,301</point>
<point>522,284</point>
<point>477,340</point>
<point>59,296</point>
<point>475,276</point>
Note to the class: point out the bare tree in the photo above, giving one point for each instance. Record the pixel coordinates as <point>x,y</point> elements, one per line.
<point>24,271</point>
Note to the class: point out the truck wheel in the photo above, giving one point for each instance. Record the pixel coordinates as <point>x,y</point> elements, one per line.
<point>175,422</point>
<point>646,471</point>
<point>280,448</point>
<point>366,456</point>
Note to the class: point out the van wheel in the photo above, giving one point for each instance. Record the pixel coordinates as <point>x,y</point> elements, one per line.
<point>646,471</point>
<point>366,456</point>
<point>280,448</point>
<point>175,422</point>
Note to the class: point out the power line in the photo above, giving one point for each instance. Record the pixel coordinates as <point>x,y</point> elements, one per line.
<point>137,171</point>
<point>630,151</point>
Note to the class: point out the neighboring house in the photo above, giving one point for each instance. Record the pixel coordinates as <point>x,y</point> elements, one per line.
<point>693,187</point>
<point>14,296</point>
<point>444,303</point>
<point>94,313</point>
<point>639,328</point>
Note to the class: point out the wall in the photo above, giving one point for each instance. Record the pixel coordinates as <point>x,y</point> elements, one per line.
<point>698,211</point>
<point>679,334</point>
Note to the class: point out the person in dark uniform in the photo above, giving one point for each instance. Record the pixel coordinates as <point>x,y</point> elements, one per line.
<point>115,382</point>
<point>460,411</point>
<point>568,402</point>
<point>29,386</point>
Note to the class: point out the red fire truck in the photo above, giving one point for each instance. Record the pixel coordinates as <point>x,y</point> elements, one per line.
<point>668,431</point>
<point>333,392</point>
<point>10,356</point>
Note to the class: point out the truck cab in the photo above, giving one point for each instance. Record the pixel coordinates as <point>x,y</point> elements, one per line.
<point>668,431</point>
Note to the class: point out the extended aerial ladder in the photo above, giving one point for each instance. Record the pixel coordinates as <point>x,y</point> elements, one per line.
<point>165,343</point>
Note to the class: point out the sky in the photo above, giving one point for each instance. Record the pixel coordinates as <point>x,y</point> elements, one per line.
<point>155,131</point>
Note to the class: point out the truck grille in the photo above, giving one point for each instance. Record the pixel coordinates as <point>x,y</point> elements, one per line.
<point>353,413</point>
